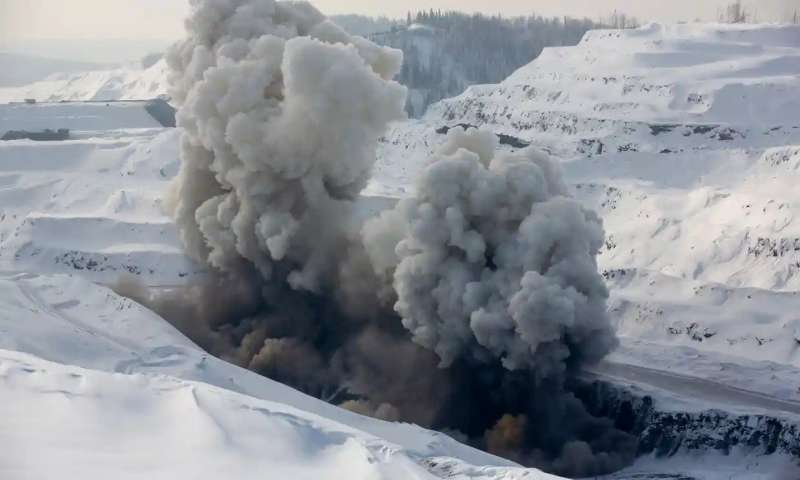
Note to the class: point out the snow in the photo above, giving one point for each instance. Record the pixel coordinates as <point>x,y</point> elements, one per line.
<point>710,466</point>
<point>105,373</point>
<point>124,83</point>
<point>751,380</point>
<point>94,424</point>
<point>653,73</point>
<point>91,205</point>
<point>706,393</point>
<point>696,184</point>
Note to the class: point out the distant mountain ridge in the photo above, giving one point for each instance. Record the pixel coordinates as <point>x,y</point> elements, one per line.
<point>132,82</point>
<point>17,70</point>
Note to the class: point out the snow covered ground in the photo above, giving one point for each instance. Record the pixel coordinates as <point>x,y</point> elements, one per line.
<point>682,137</point>
<point>101,387</point>
<point>91,206</point>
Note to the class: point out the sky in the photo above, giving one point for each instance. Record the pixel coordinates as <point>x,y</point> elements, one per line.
<point>133,27</point>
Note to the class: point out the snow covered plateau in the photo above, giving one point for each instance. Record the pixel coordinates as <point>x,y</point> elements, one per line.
<point>684,138</point>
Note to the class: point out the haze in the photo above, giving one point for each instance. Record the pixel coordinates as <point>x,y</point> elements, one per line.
<point>72,29</point>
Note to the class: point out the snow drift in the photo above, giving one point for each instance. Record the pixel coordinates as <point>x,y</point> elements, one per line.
<point>468,308</point>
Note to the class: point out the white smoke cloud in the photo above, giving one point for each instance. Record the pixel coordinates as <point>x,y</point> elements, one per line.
<point>281,111</point>
<point>494,258</point>
<point>490,267</point>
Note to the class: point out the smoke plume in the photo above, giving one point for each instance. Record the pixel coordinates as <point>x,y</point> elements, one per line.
<point>467,308</point>
<point>281,111</point>
<point>496,262</point>
<point>495,271</point>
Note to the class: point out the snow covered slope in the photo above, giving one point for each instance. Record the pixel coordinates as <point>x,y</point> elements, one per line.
<point>661,90</point>
<point>124,83</point>
<point>91,206</point>
<point>685,138</point>
<point>120,393</point>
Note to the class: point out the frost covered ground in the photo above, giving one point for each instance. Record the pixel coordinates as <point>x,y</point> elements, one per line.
<point>685,138</point>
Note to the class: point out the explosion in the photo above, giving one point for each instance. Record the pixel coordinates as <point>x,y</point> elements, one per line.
<point>496,262</point>
<point>467,308</point>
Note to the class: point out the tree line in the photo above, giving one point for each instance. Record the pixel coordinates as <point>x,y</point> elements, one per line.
<point>447,51</point>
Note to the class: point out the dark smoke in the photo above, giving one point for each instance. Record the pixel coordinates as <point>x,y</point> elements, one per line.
<point>466,309</point>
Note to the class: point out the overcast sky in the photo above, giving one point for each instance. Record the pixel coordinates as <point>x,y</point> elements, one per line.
<point>160,20</point>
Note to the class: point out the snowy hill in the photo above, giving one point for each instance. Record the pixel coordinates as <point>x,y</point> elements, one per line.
<point>95,365</point>
<point>124,83</point>
<point>685,138</point>
<point>57,196</point>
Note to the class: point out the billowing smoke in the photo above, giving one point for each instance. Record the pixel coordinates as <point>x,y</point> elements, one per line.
<point>494,268</point>
<point>468,308</point>
<point>281,112</point>
<point>496,262</point>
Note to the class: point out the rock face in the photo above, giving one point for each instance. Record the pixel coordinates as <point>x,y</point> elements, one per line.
<point>667,433</point>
